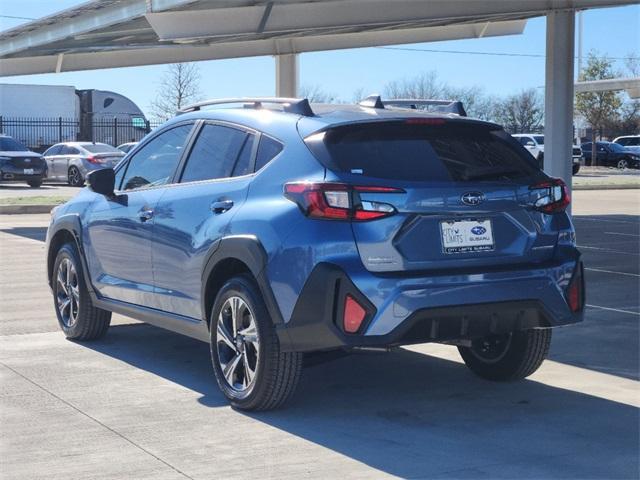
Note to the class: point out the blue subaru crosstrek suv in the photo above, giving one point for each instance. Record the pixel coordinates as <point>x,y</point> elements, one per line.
<point>271,229</point>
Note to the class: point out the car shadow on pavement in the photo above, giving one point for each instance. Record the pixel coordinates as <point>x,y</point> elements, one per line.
<point>33,233</point>
<point>414,415</point>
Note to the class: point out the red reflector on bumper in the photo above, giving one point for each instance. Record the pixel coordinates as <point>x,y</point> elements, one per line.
<point>575,291</point>
<point>353,315</point>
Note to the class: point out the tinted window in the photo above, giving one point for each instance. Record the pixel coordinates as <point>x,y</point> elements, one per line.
<point>155,163</point>
<point>215,153</point>
<point>526,141</point>
<point>99,148</point>
<point>267,150</point>
<point>243,164</point>
<point>448,152</point>
<point>539,139</point>
<point>67,150</point>
<point>55,150</point>
<point>614,147</point>
<point>8,144</point>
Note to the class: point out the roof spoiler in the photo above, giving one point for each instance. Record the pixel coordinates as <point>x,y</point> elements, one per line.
<point>299,106</point>
<point>443,106</point>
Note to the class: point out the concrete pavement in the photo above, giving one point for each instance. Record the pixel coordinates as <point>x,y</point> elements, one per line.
<point>142,403</point>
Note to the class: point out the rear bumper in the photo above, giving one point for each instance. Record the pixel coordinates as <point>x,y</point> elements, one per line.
<point>18,175</point>
<point>437,308</point>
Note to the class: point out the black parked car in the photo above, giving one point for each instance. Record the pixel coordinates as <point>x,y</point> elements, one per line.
<point>19,164</point>
<point>611,155</point>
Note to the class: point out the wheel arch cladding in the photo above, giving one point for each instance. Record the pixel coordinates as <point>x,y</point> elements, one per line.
<point>66,229</point>
<point>231,256</point>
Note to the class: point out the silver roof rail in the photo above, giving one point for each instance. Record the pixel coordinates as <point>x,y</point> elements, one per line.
<point>444,106</point>
<point>299,106</point>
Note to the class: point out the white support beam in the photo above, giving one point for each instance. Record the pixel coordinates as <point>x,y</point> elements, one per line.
<point>558,115</point>
<point>287,75</point>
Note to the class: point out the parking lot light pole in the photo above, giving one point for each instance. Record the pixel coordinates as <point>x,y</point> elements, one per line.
<point>287,74</point>
<point>558,105</point>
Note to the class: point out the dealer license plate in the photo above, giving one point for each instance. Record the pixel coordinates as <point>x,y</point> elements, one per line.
<point>464,236</point>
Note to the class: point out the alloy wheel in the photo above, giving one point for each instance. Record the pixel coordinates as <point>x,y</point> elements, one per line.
<point>67,293</point>
<point>237,344</point>
<point>491,349</point>
<point>622,164</point>
<point>74,176</point>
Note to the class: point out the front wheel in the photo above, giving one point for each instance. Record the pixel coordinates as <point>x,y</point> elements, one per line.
<point>622,164</point>
<point>250,369</point>
<point>512,356</point>
<point>79,319</point>
<point>75,177</point>
<point>576,168</point>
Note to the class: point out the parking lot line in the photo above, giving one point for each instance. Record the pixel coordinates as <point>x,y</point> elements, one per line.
<point>608,250</point>
<point>625,234</point>
<point>611,271</point>
<point>580,218</point>
<point>614,310</point>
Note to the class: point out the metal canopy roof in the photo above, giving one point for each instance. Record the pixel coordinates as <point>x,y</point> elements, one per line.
<point>119,33</point>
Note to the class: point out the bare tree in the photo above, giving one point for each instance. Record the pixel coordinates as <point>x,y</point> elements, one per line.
<point>428,86</point>
<point>179,87</point>
<point>597,108</point>
<point>522,112</point>
<point>316,94</point>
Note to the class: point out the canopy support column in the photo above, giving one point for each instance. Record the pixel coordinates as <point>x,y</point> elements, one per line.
<point>287,74</point>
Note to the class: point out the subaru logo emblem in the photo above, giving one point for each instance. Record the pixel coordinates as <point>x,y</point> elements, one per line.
<point>472,198</point>
<point>478,230</point>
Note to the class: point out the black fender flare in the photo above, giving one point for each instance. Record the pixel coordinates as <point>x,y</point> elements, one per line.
<point>249,250</point>
<point>71,224</point>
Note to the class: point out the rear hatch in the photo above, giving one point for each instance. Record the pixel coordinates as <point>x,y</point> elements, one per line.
<point>464,199</point>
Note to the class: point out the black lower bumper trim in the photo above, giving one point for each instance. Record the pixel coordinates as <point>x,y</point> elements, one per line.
<point>316,319</point>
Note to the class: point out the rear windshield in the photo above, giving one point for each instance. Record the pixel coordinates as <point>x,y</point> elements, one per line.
<point>100,148</point>
<point>405,151</point>
<point>8,144</point>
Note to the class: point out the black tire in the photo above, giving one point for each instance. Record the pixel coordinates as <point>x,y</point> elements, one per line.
<point>91,322</point>
<point>35,183</point>
<point>622,164</point>
<point>520,355</point>
<point>276,373</point>
<point>576,168</point>
<point>74,177</point>
<point>541,161</point>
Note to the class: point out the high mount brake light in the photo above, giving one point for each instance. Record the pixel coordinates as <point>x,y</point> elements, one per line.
<point>425,121</point>
<point>553,196</point>
<point>339,201</point>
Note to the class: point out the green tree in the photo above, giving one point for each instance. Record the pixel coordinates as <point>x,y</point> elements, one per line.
<point>597,108</point>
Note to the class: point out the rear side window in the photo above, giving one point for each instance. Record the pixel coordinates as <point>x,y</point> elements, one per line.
<point>413,152</point>
<point>215,153</point>
<point>55,150</point>
<point>267,151</point>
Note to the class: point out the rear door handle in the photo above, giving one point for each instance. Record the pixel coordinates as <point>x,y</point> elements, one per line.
<point>145,215</point>
<point>221,206</point>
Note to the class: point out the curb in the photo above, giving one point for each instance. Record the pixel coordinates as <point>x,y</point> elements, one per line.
<point>23,209</point>
<point>606,187</point>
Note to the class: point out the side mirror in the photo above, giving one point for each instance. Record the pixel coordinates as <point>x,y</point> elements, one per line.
<point>102,181</point>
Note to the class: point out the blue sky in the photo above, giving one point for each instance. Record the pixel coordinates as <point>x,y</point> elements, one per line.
<point>612,31</point>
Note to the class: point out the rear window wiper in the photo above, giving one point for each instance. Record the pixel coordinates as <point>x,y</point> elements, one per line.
<point>489,172</point>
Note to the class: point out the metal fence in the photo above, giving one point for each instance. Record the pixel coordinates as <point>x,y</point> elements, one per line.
<point>40,133</point>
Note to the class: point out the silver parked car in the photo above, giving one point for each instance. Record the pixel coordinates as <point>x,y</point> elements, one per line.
<point>127,147</point>
<point>72,161</point>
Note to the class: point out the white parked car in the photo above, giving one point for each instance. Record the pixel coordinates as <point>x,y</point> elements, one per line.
<point>630,142</point>
<point>534,142</point>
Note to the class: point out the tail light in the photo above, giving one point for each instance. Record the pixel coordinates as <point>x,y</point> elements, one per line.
<point>575,290</point>
<point>93,159</point>
<point>339,201</point>
<point>553,196</point>
<point>354,314</point>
